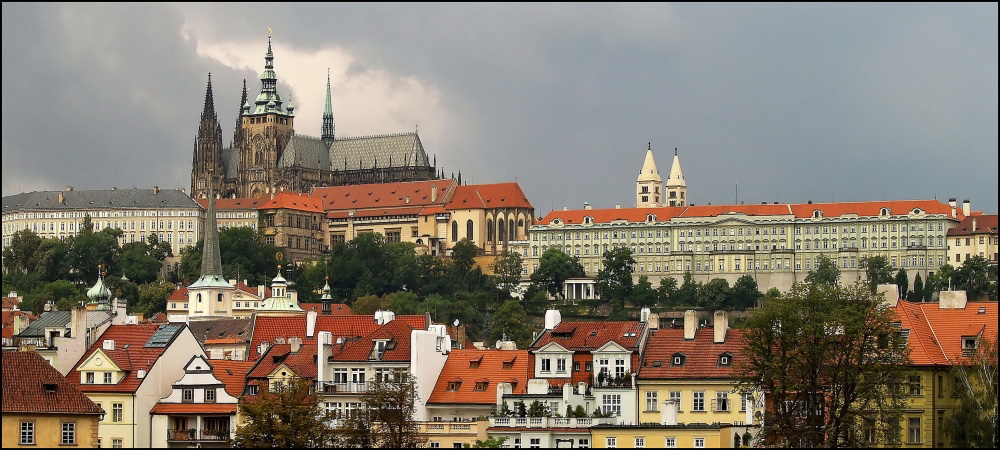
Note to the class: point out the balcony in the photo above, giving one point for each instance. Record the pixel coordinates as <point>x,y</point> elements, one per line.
<point>551,422</point>
<point>329,387</point>
<point>197,435</point>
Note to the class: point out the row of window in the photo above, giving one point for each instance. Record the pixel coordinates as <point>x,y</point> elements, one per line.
<point>67,434</point>
<point>737,231</point>
<point>640,442</point>
<point>720,403</point>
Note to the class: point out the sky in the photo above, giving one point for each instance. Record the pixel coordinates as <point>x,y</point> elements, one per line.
<point>763,102</point>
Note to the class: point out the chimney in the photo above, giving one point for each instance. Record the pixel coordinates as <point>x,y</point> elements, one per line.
<point>953,202</point>
<point>311,323</point>
<point>973,224</point>
<point>69,188</point>
<point>325,339</point>
<point>953,300</point>
<point>669,414</point>
<point>260,291</point>
<point>295,343</point>
<point>62,198</point>
<point>721,324</point>
<point>565,208</point>
<point>644,314</point>
<point>552,319</point>
<point>78,321</point>
<point>618,206</point>
<point>434,193</point>
<point>156,190</point>
<point>690,324</point>
<point>966,207</point>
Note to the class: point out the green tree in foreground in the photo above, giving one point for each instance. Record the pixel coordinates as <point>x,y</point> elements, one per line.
<point>826,271</point>
<point>507,269</point>
<point>829,357</point>
<point>975,421</point>
<point>902,283</point>
<point>287,415</point>
<point>492,442</point>
<point>385,419</point>
<point>877,270</point>
<point>613,283</point>
<point>554,268</point>
<point>511,321</point>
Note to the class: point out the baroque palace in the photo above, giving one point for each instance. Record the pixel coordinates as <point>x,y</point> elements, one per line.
<point>267,156</point>
<point>776,243</point>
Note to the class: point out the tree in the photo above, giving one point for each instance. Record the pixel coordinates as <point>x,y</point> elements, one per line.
<point>877,270</point>
<point>554,268</point>
<point>973,277</point>
<point>643,294</point>
<point>667,290</point>
<point>385,419</point>
<point>689,289</point>
<point>512,321</point>
<point>613,283</point>
<point>507,269</point>
<point>287,415</point>
<point>463,255</point>
<point>828,357</point>
<point>153,297</point>
<point>917,294</point>
<point>744,294</point>
<point>492,442</point>
<point>902,283</point>
<point>975,421</point>
<point>713,295</point>
<point>826,271</point>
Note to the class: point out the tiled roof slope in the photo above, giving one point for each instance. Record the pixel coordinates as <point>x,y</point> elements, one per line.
<point>61,319</point>
<point>936,334</point>
<point>873,209</point>
<point>701,354</point>
<point>385,195</point>
<point>499,195</point>
<point>984,224</point>
<point>236,203</point>
<point>586,336</point>
<point>473,365</point>
<point>397,332</point>
<point>575,217</point>
<point>365,152</point>
<point>231,373</point>
<point>750,210</point>
<point>204,330</point>
<point>267,329</point>
<point>25,376</point>
<point>8,321</point>
<point>130,359</point>
<point>293,200</point>
<point>109,198</point>
<point>303,362</point>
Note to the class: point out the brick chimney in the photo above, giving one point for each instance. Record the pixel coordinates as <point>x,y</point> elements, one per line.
<point>690,324</point>
<point>721,324</point>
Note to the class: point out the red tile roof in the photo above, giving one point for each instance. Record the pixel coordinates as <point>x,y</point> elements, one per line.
<point>984,224</point>
<point>302,362</point>
<point>499,195</point>
<point>194,408</point>
<point>872,209</point>
<point>586,336</point>
<point>336,309</point>
<point>397,334</point>
<point>460,367</point>
<point>10,302</point>
<point>130,359</point>
<point>607,215</point>
<point>233,374</point>
<point>267,329</point>
<point>381,212</point>
<point>294,200</point>
<point>380,196</point>
<point>936,334</point>
<point>701,355</point>
<point>750,210</point>
<point>8,321</point>
<point>25,377</point>
<point>236,203</point>
<point>179,294</point>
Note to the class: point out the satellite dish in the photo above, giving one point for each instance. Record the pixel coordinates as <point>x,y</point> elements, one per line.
<point>456,322</point>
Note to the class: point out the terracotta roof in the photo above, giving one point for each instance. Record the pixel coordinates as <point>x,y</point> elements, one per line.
<point>336,309</point>
<point>750,210</point>
<point>499,195</point>
<point>586,336</point>
<point>701,355</point>
<point>236,203</point>
<point>179,294</point>
<point>130,355</point>
<point>303,362</point>
<point>936,334</point>
<point>10,302</point>
<point>8,321</point>
<point>294,200</point>
<point>380,212</point>
<point>267,329</point>
<point>397,334</point>
<point>474,365</point>
<point>233,374</point>
<point>220,330</point>
<point>872,209</point>
<point>663,214</point>
<point>386,195</point>
<point>26,376</point>
<point>194,408</point>
<point>984,224</point>
<point>252,290</point>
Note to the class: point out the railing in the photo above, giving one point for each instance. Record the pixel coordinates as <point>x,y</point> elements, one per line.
<point>196,435</point>
<point>548,422</point>
<point>448,427</point>
<point>329,387</point>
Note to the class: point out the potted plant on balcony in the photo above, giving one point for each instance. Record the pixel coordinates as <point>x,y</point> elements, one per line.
<point>191,433</point>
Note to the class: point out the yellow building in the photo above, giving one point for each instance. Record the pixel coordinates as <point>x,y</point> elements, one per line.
<point>42,409</point>
<point>693,435</point>
<point>975,236</point>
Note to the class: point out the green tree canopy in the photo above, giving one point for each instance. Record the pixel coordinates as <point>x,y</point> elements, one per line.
<point>689,289</point>
<point>902,283</point>
<point>667,291</point>
<point>877,270</point>
<point>974,277</point>
<point>826,271</point>
<point>613,283</point>
<point>974,423</point>
<point>507,269</point>
<point>511,321</point>
<point>287,415</point>
<point>713,295</point>
<point>744,294</point>
<point>554,268</point>
<point>643,294</point>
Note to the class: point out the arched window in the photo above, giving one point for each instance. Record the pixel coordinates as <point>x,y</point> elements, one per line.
<point>199,298</point>
<point>219,297</point>
<point>501,231</point>
<point>490,232</point>
<point>454,231</point>
<point>468,229</point>
<point>513,232</point>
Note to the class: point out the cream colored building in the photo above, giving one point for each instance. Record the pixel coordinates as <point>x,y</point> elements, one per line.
<point>975,236</point>
<point>649,185</point>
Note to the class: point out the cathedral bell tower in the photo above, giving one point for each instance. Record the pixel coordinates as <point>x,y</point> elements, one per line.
<point>267,127</point>
<point>207,167</point>
<point>649,185</point>
<point>676,187</point>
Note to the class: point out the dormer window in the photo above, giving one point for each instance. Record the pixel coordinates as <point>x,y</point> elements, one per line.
<point>474,363</point>
<point>481,386</point>
<point>588,220</point>
<point>968,343</point>
<point>817,214</point>
<point>884,212</point>
<point>678,360</point>
<point>509,364</point>
<point>726,359</point>
<point>454,385</point>
<point>657,363</point>
<point>982,310</point>
<point>650,217</point>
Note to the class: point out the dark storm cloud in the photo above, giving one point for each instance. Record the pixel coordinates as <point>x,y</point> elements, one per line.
<point>792,102</point>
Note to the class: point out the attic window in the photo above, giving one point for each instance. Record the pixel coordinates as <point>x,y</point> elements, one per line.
<point>982,310</point>
<point>650,217</point>
<point>481,386</point>
<point>474,363</point>
<point>509,364</point>
<point>593,333</point>
<point>817,214</point>
<point>629,334</point>
<point>453,386</point>
<point>725,360</point>
<point>50,387</point>
<point>657,363</point>
<point>678,360</point>
<point>884,212</point>
<point>968,343</point>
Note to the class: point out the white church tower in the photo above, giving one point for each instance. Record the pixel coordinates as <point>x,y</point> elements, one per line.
<point>676,187</point>
<point>649,185</point>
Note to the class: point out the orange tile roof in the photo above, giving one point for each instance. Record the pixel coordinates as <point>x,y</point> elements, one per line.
<point>750,210</point>
<point>294,200</point>
<point>194,408</point>
<point>8,321</point>
<point>499,195</point>
<point>266,329</point>
<point>936,334</point>
<point>607,215</point>
<point>872,209</point>
<point>380,212</point>
<point>25,376</point>
<point>386,195</point>
<point>459,366</point>
<point>984,224</point>
<point>236,203</point>
<point>179,294</point>
<point>303,362</point>
<point>586,336</point>
<point>233,374</point>
<point>130,359</point>
<point>396,332</point>
<point>10,302</point>
<point>701,355</point>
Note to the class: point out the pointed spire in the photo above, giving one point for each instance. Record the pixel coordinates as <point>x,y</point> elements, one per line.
<point>211,255</point>
<point>209,110</point>
<point>676,178</point>
<point>268,100</point>
<point>648,171</point>
<point>329,128</point>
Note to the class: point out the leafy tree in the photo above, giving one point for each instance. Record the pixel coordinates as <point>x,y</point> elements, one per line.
<point>18,256</point>
<point>917,294</point>
<point>507,269</point>
<point>829,356</point>
<point>877,270</point>
<point>89,249</point>
<point>973,277</point>
<point>975,421</point>
<point>744,294</point>
<point>141,261</point>
<point>512,321</point>
<point>902,283</point>
<point>554,268</point>
<point>667,291</point>
<point>492,442</point>
<point>713,295</point>
<point>772,293</point>
<point>538,409</point>
<point>153,297</point>
<point>613,283</point>
<point>689,289</point>
<point>938,281</point>
<point>385,419</point>
<point>244,254</point>
<point>463,255</point>
<point>643,294</point>
<point>826,271</point>
<point>368,304</point>
<point>286,416</point>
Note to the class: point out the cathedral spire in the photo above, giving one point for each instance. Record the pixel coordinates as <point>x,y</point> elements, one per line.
<point>211,255</point>
<point>244,106</point>
<point>209,111</point>
<point>328,126</point>
<point>268,100</point>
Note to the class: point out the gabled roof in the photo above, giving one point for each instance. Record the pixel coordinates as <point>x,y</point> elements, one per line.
<point>302,362</point>
<point>490,367</point>
<point>382,196</point>
<point>984,224</point>
<point>233,374</point>
<point>295,201</point>
<point>180,294</point>
<point>206,330</point>
<point>32,385</point>
<point>366,152</point>
<point>396,334</point>
<point>499,195</point>
<point>236,203</point>
<point>135,349</point>
<point>589,336</point>
<point>305,151</point>
<point>61,319</point>
<point>576,217</point>
<point>936,334</point>
<point>874,208</point>
<point>267,329</point>
<point>701,355</point>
